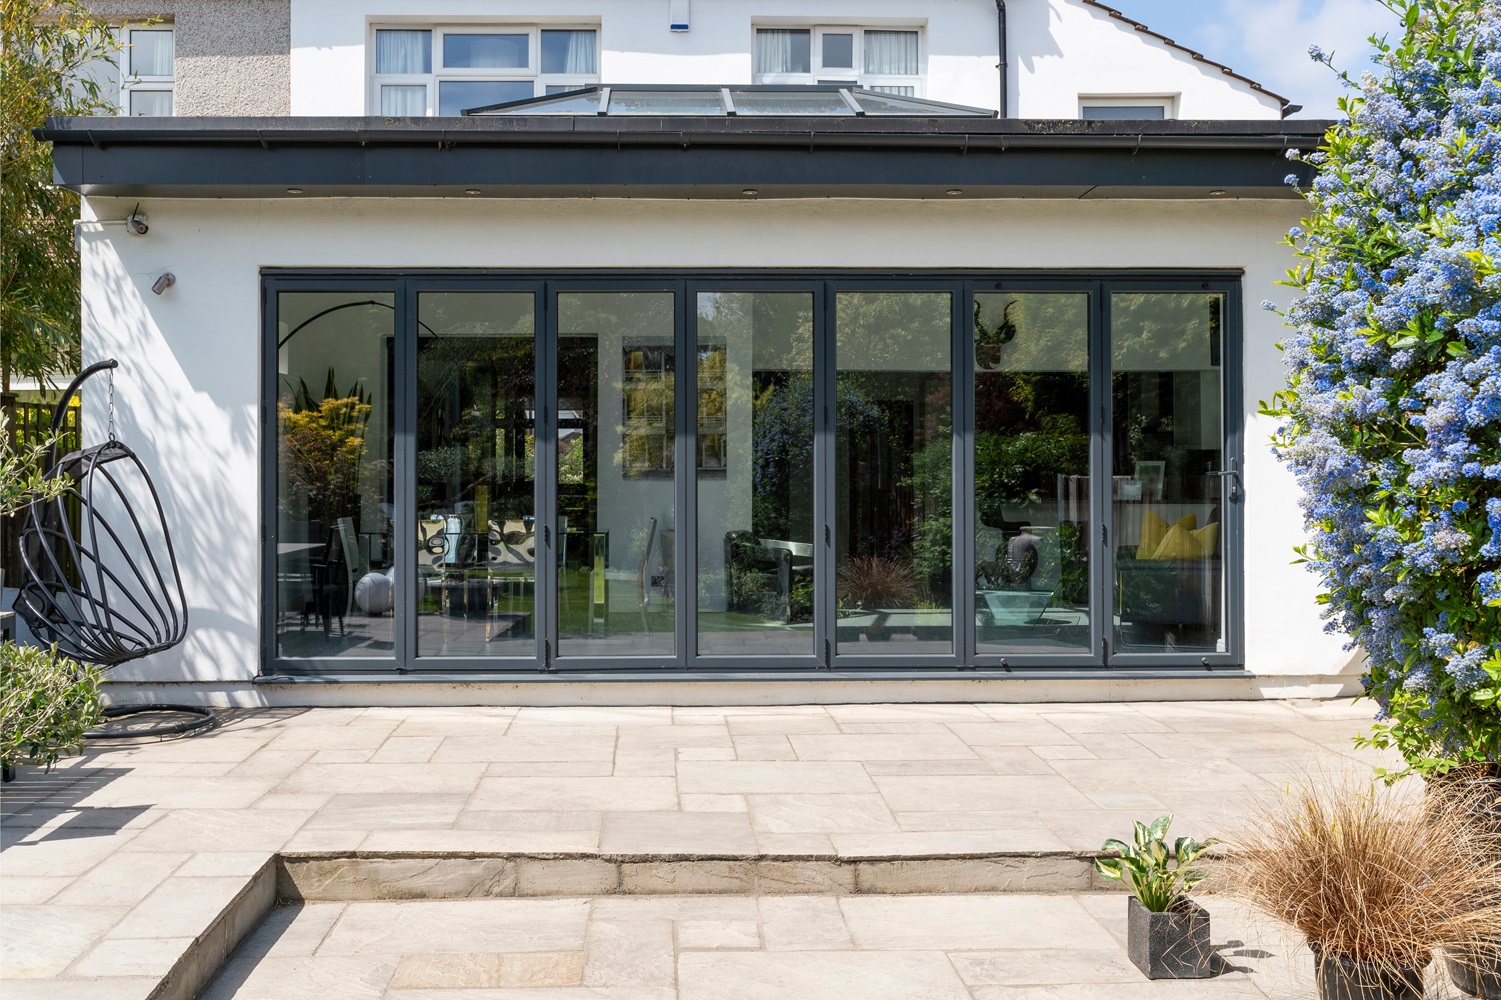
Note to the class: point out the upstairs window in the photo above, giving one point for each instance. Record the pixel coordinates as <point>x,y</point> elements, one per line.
<point>889,60</point>
<point>146,81</point>
<point>445,70</point>
<point>1125,108</point>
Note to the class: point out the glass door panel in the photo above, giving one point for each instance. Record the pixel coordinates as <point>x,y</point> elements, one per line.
<point>893,473</point>
<point>1168,453</point>
<point>335,595</point>
<point>1032,436</point>
<point>616,464</point>
<point>476,544</point>
<point>755,466</point>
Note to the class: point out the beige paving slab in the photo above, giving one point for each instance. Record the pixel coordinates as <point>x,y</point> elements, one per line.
<point>803,923</point>
<point>764,746</point>
<point>767,777</point>
<point>140,957</point>
<point>1030,732</point>
<point>1087,829</point>
<point>1061,966</point>
<point>291,931</point>
<point>482,841</point>
<point>122,879</point>
<point>195,830</point>
<point>1119,720</point>
<point>553,821</point>
<point>1210,777</point>
<point>406,750</point>
<point>271,764</point>
<point>384,778</point>
<point>694,802</point>
<point>40,941</point>
<point>358,977</point>
<point>905,793</point>
<point>944,842</point>
<point>488,971</point>
<point>1020,760</point>
<point>869,975</point>
<point>114,987</point>
<point>576,794</point>
<point>718,935</point>
<point>809,813</point>
<point>661,762</point>
<point>676,832</point>
<point>541,746</point>
<point>176,792</point>
<point>967,922</point>
<point>385,811</point>
<point>458,926</point>
<point>1230,745</point>
<point>972,765</point>
<point>633,953</point>
<point>674,736</point>
<point>60,855</point>
<point>906,713</point>
<point>179,907</point>
<point>329,738</point>
<point>201,748</point>
<point>882,746</point>
<point>19,889</point>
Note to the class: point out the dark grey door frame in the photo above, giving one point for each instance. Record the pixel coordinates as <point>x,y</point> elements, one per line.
<point>823,284</point>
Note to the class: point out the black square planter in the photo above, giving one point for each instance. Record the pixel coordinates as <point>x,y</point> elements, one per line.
<point>1479,976</point>
<point>1170,945</point>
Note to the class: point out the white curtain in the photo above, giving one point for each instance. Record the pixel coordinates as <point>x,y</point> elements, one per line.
<point>891,53</point>
<point>783,50</point>
<point>569,52</point>
<point>403,51</point>
<point>151,53</point>
<point>408,102</point>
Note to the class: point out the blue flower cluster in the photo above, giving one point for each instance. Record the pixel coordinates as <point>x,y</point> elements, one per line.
<point>1392,416</point>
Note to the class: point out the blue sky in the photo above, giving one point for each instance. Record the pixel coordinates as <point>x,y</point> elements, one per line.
<point>1268,40</point>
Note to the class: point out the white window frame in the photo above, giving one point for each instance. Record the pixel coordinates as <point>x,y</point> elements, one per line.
<point>532,72</point>
<point>855,75</point>
<point>130,82</point>
<point>1167,102</point>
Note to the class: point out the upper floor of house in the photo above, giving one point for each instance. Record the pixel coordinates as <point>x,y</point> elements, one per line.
<point>1027,58</point>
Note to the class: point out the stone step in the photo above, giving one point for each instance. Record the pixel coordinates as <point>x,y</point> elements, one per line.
<point>359,875</point>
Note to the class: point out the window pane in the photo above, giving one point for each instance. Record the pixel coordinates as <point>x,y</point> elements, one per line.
<point>893,483</point>
<point>838,51</point>
<point>1168,440</point>
<point>1032,527</point>
<point>485,51</point>
<point>892,53</point>
<point>666,102</point>
<point>755,494</point>
<point>403,51</point>
<point>1141,112</point>
<point>151,103</point>
<point>783,50</point>
<point>616,510</point>
<point>403,101</point>
<point>454,96</point>
<point>334,590</point>
<point>761,102</point>
<point>476,542</point>
<point>569,52</point>
<point>150,53</point>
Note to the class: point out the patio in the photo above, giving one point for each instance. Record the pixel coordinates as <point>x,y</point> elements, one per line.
<point>136,868</point>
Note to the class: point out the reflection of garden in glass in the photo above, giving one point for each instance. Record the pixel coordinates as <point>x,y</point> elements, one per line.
<point>333,474</point>
<point>475,480</point>
<point>755,510</point>
<point>1168,437</point>
<point>1032,472</point>
<point>892,494</point>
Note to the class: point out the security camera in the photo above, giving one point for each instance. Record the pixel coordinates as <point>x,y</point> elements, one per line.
<point>135,224</point>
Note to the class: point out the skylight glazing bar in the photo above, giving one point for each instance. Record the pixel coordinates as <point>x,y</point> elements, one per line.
<point>604,101</point>
<point>729,102</point>
<point>850,100</point>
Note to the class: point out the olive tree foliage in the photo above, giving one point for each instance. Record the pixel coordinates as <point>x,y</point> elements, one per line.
<point>45,48</point>
<point>1392,415</point>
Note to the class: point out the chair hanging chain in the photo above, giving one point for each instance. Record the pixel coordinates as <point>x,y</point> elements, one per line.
<point>112,405</point>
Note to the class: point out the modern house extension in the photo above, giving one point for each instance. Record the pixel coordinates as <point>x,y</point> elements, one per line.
<point>642,352</point>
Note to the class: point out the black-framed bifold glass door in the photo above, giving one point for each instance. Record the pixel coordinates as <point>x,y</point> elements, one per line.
<point>476,474</point>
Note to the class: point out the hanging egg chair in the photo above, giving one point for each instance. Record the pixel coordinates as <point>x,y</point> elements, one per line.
<point>108,591</point>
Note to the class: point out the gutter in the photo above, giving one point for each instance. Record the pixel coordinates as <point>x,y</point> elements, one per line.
<point>1000,19</point>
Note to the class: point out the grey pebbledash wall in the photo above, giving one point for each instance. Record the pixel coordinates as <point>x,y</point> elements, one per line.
<point>233,57</point>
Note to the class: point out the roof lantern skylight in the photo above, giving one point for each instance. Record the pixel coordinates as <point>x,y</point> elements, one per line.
<point>743,100</point>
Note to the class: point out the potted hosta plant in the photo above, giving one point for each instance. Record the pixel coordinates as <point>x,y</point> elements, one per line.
<point>1167,934</point>
<point>1376,879</point>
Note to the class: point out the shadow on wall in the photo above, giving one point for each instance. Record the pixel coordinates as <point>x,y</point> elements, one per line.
<point>187,405</point>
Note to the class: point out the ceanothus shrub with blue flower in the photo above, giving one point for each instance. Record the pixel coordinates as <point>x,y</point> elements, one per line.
<point>1392,415</point>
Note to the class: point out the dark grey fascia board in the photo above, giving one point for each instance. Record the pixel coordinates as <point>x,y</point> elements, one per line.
<point>902,158</point>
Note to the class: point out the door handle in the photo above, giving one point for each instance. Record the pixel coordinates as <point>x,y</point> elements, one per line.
<point>1236,487</point>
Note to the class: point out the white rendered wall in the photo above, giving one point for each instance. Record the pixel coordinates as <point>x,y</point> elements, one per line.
<point>1059,49</point>
<point>187,393</point>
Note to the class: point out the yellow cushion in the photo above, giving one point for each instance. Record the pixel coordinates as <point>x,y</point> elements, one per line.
<point>1178,543</point>
<point>1153,527</point>
<point>1207,536</point>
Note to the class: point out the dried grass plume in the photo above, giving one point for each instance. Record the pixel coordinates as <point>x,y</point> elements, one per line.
<point>1378,875</point>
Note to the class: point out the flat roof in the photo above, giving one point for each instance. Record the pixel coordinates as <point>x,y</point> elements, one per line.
<point>544,155</point>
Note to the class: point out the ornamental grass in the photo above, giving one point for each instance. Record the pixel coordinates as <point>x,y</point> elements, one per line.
<point>1371,874</point>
